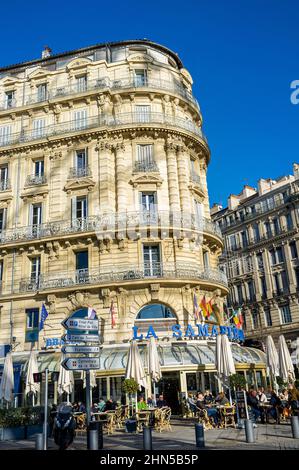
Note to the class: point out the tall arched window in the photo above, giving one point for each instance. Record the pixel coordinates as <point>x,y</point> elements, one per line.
<point>155,312</point>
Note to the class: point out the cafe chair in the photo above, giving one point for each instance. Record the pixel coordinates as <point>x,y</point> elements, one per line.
<point>203,418</point>
<point>111,422</point>
<point>158,419</point>
<point>166,415</point>
<point>118,417</point>
<point>142,419</point>
<point>80,420</point>
<point>227,415</point>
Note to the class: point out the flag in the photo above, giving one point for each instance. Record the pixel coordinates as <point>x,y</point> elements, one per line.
<point>91,313</point>
<point>196,308</point>
<point>210,307</point>
<point>238,319</point>
<point>44,315</point>
<point>113,314</point>
<point>204,307</point>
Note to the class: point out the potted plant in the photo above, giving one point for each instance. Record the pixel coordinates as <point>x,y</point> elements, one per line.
<point>20,423</point>
<point>130,386</point>
<point>237,381</point>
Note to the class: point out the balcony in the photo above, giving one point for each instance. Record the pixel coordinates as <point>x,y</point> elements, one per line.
<point>146,167</point>
<point>103,121</point>
<point>82,172</point>
<point>5,185</point>
<point>35,180</point>
<point>158,270</point>
<point>101,84</point>
<point>129,224</point>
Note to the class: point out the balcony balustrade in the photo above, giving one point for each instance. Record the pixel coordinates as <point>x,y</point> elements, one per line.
<point>122,119</point>
<point>130,222</point>
<point>145,167</point>
<point>79,172</point>
<point>157,270</point>
<point>35,180</point>
<point>100,84</point>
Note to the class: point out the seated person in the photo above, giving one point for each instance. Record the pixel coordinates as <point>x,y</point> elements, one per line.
<point>261,396</point>
<point>208,397</point>
<point>94,408</point>
<point>293,398</point>
<point>141,404</point>
<point>151,401</point>
<point>275,403</point>
<point>161,402</point>
<point>221,399</point>
<point>110,405</point>
<point>255,406</point>
<point>81,407</point>
<point>191,402</point>
<point>101,405</point>
<point>212,412</point>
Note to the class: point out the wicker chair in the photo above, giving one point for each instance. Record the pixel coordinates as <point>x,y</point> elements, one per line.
<point>166,415</point>
<point>118,417</point>
<point>203,418</point>
<point>142,419</point>
<point>158,416</point>
<point>111,422</point>
<point>227,415</point>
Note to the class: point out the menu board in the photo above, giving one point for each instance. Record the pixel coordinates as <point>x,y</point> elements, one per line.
<point>241,402</point>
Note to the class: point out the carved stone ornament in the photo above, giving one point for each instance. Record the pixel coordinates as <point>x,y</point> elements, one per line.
<point>51,301</point>
<point>148,178</point>
<point>79,299</point>
<point>139,57</point>
<point>154,291</point>
<point>80,183</point>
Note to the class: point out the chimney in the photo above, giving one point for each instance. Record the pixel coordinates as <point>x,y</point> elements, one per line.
<point>46,52</point>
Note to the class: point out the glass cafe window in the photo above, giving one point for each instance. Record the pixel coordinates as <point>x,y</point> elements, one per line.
<point>155,311</point>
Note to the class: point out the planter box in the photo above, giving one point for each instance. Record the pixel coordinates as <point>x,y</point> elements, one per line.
<point>14,434</point>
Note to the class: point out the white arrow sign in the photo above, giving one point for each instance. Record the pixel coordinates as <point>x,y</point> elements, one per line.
<point>80,324</point>
<point>81,338</point>
<point>81,363</point>
<point>80,349</point>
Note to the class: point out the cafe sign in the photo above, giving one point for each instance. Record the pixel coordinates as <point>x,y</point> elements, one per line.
<point>198,331</point>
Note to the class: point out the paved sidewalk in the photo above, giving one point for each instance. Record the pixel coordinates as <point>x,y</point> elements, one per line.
<point>182,437</point>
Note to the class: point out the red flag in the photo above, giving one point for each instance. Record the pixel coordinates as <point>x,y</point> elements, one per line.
<point>113,314</point>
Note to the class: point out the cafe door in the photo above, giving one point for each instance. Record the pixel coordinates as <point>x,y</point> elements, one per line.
<point>169,386</point>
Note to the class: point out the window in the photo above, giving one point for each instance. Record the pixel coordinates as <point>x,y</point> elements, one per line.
<point>284,281</point>
<point>276,225</point>
<point>277,287</point>
<point>145,153</point>
<point>151,260</point>
<point>81,83</point>
<point>81,159</point>
<point>80,119</point>
<point>148,202</point>
<point>155,311</point>
<point>2,219</point>
<point>39,168</point>
<point>82,267</point>
<point>35,269</point>
<point>297,276</point>
<point>251,292</point>
<point>293,248</point>
<point>279,255</point>
<point>32,325</point>
<point>199,210</point>
<point>263,287</point>
<point>140,77</point>
<point>80,207</point>
<point>38,128</point>
<point>35,214</point>
<point>260,263</point>
<point>9,99</point>
<point>244,238</point>
<point>1,270</point>
<point>240,294</point>
<point>42,92</point>
<point>5,135</point>
<point>255,319</point>
<point>268,229</point>
<point>3,177</point>
<point>268,318</point>
<point>285,314</point>
<point>206,259</point>
<point>142,113</point>
<point>232,242</point>
<point>256,233</point>
<point>289,221</point>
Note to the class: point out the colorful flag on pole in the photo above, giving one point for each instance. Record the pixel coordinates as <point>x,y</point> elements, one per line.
<point>204,307</point>
<point>196,307</point>
<point>43,317</point>
<point>91,313</point>
<point>210,307</point>
<point>113,314</point>
<point>238,319</point>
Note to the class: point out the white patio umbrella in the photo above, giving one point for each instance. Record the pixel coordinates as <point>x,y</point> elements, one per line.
<point>135,369</point>
<point>295,353</point>
<point>286,368</point>
<point>224,360</point>
<point>7,380</point>
<point>93,382</point>
<point>272,359</point>
<point>153,363</point>
<point>65,381</point>
<point>32,386</point>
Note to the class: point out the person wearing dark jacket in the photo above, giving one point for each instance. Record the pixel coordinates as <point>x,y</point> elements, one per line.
<point>52,415</point>
<point>161,402</point>
<point>253,402</point>
<point>275,403</point>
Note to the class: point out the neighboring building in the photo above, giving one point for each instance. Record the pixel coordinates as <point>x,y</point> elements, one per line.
<point>260,229</point>
<point>104,203</point>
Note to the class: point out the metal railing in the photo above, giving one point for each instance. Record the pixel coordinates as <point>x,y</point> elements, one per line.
<point>5,185</point>
<point>77,172</point>
<point>128,223</point>
<point>104,83</point>
<point>64,279</point>
<point>121,119</point>
<point>146,167</point>
<point>34,180</point>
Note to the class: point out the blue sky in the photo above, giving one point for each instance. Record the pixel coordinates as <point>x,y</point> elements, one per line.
<point>242,55</point>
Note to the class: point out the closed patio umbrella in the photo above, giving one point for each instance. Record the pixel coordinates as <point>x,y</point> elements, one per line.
<point>65,381</point>
<point>286,368</point>
<point>93,382</point>
<point>295,353</point>
<point>135,369</point>
<point>154,368</point>
<point>224,360</point>
<point>7,380</point>
<point>272,359</point>
<point>31,386</point>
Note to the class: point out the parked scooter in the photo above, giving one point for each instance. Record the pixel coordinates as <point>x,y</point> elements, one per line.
<point>64,426</point>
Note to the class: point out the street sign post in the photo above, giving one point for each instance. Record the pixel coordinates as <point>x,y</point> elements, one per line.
<point>81,363</point>
<point>74,349</point>
<point>80,324</point>
<point>80,338</point>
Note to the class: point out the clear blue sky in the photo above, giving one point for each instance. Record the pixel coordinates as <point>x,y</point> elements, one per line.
<point>242,55</point>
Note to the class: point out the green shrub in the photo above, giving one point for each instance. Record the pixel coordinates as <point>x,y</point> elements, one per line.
<point>15,417</point>
<point>237,381</point>
<point>130,386</point>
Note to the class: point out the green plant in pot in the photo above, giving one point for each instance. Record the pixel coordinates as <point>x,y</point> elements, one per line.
<point>130,386</point>
<point>237,381</point>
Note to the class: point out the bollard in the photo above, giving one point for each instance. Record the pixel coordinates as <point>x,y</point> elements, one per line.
<point>199,435</point>
<point>147,438</point>
<point>93,439</point>
<point>96,425</point>
<point>39,441</point>
<point>295,426</point>
<point>249,432</point>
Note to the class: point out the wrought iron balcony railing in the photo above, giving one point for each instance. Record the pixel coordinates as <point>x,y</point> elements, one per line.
<point>34,180</point>
<point>77,172</point>
<point>122,119</point>
<point>100,84</point>
<point>158,270</point>
<point>129,224</point>
<point>146,167</point>
<point>5,185</point>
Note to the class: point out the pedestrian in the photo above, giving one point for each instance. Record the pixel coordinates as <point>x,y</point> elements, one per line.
<point>161,402</point>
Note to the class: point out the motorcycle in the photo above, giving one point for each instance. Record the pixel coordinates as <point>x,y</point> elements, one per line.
<point>64,426</point>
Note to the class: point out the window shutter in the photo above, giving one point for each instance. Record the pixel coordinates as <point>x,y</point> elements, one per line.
<point>4,218</point>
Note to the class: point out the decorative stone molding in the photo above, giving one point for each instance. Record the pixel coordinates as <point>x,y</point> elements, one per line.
<point>105,295</point>
<point>80,183</point>
<point>139,57</point>
<point>147,178</point>
<point>79,299</point>
<point>51,301</point>
<point>154,291</point>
